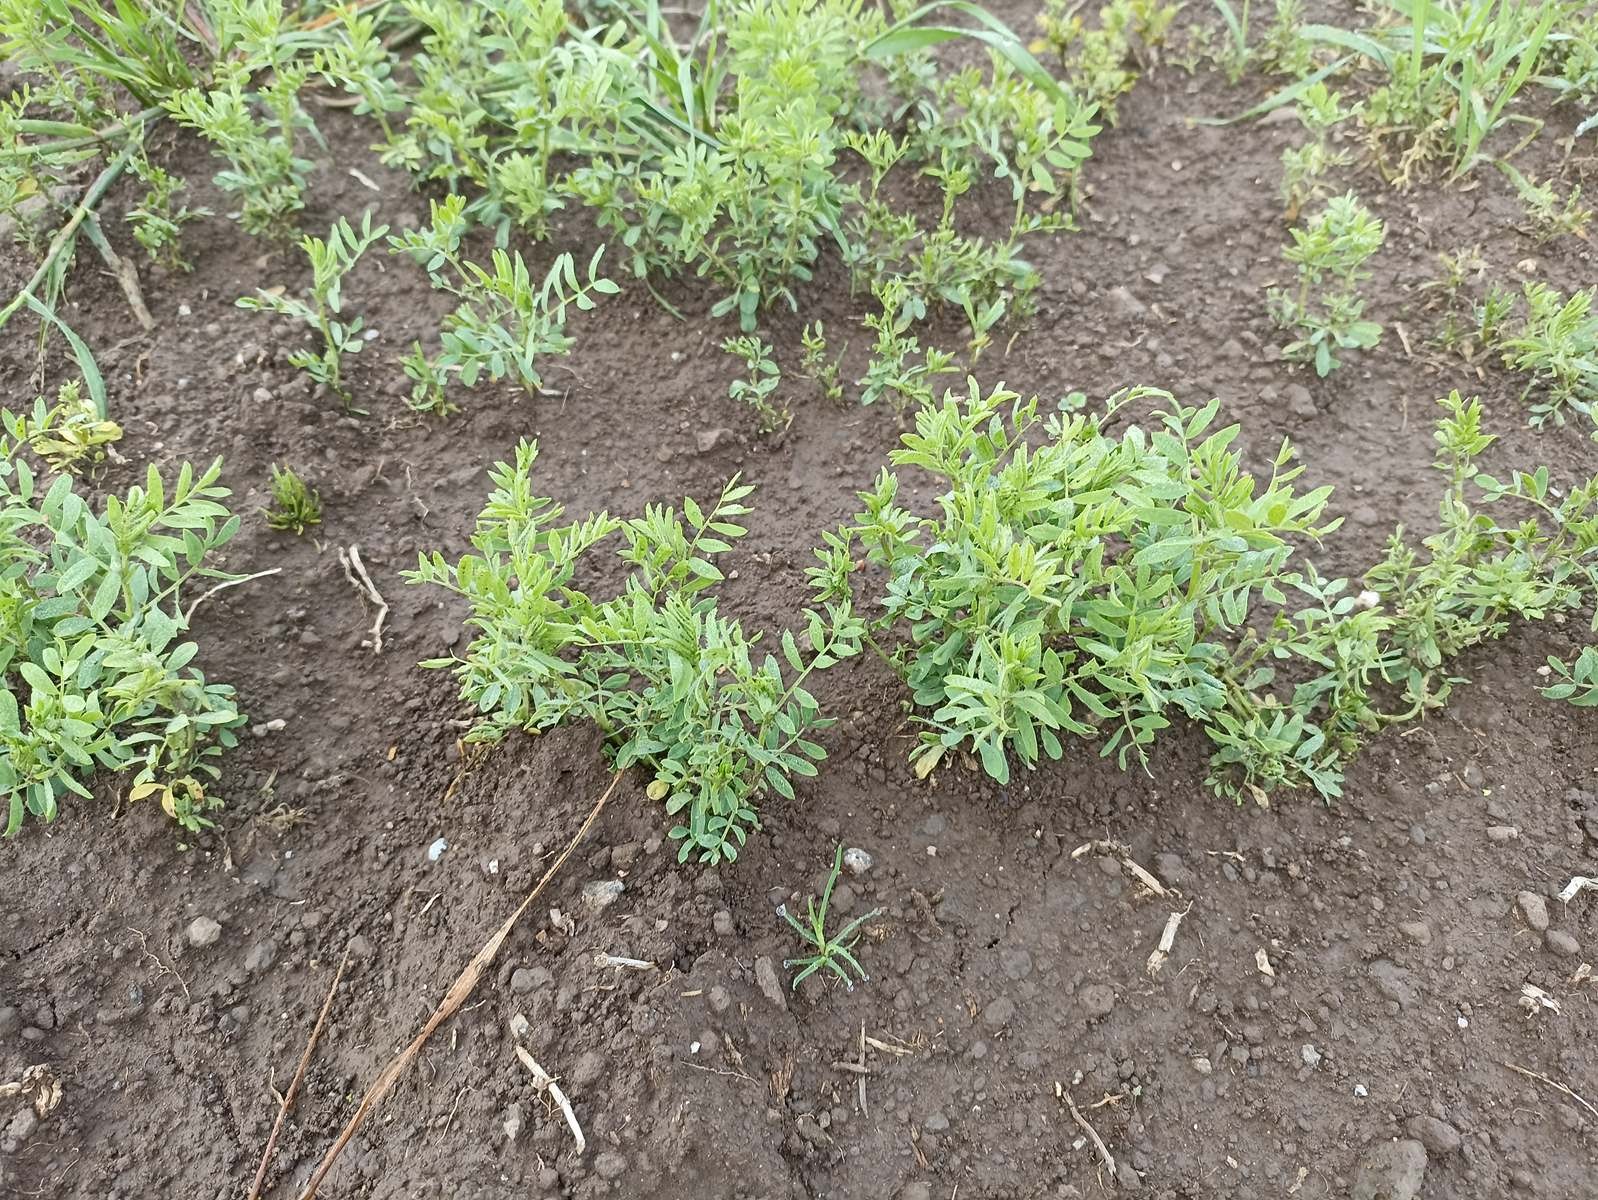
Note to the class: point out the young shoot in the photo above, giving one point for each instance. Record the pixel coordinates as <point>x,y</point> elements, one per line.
<point>295,506</point>
<point>330,262</point>
<point>1325,310</point>
<point>763,378</point>
<point>832,952</point>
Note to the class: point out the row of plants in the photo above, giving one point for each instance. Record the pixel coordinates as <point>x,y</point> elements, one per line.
<point>1077,584</point>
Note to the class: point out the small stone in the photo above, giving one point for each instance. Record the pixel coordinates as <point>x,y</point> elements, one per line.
<point>1017,963</point>
<point>10,1020</point>
<point>1098,999</point>
<point>709,439</point>
<point>1502,833</point>
<point>610,1165</point>
<point>856,861</point>
<point>525,979</point>
<point>998,1013</point>
<point>1202,1064</point>
<point>1124,304</point>
<point>722,923</point>
<point>718,999</point>
<point>520,1027</point>
<point>32,1033</point>
<point>770,985</point>
<point>260,958</point>
<point>1391,1171</point>
<point>1299,401</point>
<point>203,931</point>
<point>512,1124</point>
<point>1534,909</point>
<point>1562,944</point>
<point>1394,982</point>
<point>936,1122</point>
<point>1439,1137</point>
<point>262,395</point>
<point>1126,1175</point>
<point>623,857</point>
<point>1416,931</point>
<point>601,894</point>
<point>1170,868</point>
<point>1310,1055</point>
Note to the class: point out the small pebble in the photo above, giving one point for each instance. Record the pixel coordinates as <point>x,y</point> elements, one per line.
<point>203,931</point>
<point>1562,944</point>
<point>1534,909</point>
<point>856,861</point>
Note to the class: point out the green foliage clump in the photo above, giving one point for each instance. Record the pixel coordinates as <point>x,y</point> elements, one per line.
<point>1085,586</point>
<point>330,262</point>
<point>95,673</point>
<point>1555,345</point>
<point>69,434</point>
<point>295,505</point>
<point>1304,167</point>
<point>1326,309</point>
<point>1578,681</point>
<point>1101,587</point>
<point>1355,664</point>
<point>762,378</point>
<point>675,686</point>
<point>158,219</point>
<point>504,323</point>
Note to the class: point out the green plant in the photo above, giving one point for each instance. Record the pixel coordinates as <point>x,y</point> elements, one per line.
<point>257,132</point>
<point>1099,61</point>
<point>89,48</point>
<point>897,368</point>
<point>674,685</point>
<point>69,433</point>
<point>295,507</point>
<point>1358,664</point>
<point>330,262</point>
<point>93,674</point>
<point>1326,309</point>
<point>1550,216</point>
<point>1085,586</point>
<point>503,324</point>
<point>158,222</point>
<point>763,378</point>
<point>1556,345</point>
<point>1449,71</point>
<point>832,952</point>
<point>1303,167</point>
<point>1578,682</point>
<point>818,364</point>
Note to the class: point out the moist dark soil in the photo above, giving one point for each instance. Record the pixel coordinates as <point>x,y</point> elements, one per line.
<point>1378,1055</point>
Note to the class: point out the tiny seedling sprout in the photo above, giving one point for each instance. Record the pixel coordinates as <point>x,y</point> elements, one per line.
<point>835,951</point>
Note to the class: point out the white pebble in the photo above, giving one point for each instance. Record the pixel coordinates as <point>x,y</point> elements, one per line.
<point>436,850</point>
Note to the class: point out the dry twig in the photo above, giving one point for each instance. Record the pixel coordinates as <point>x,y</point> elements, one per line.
<point>355,572</point>
<point>450,1005</point>
<point>1123,855</point>
<point>1167,940</point>
<point>543,1079</point>
<point>287,1101</point>
<point>1553,1083</point>
<point>1098,1142</point>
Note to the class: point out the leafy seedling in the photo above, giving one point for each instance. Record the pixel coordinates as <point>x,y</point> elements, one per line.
<point>295,507</point>
<point>1325,309</point>
<point>330,262</point>
<point>762,378</point>
<point>832,952</point>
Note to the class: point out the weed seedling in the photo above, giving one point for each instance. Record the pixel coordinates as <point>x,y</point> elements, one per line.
<point>1557,346</point>
<point>1326,308</point>
<point>818,363</point>
<point>70,433</point>
<point>1550,216</point>
<point>1304,167</point>
<point>832,952</point>
<point>763,377</point>
<point>158,220</point>
<point>1578,682</point>
<point>295,507</point>
<point>330,262</point>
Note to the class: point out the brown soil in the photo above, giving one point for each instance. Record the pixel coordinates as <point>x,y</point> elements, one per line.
<point>1005,972</point>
